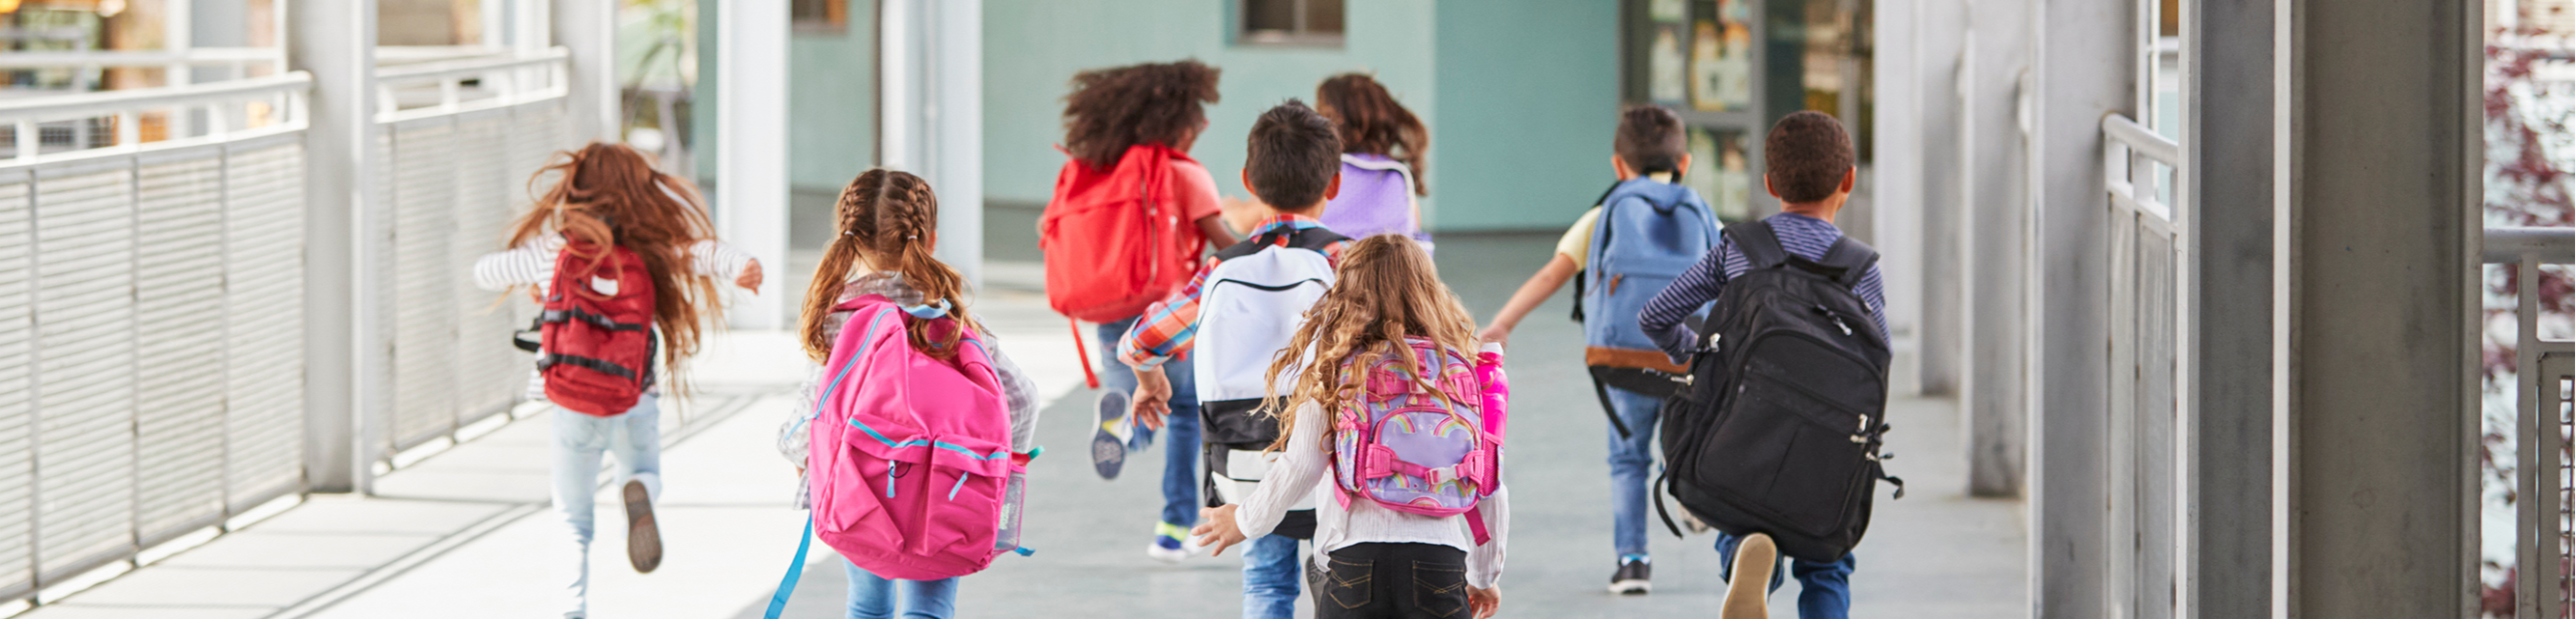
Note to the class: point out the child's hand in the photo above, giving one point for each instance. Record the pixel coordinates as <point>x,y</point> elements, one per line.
<point>1485,601</point>
<point>750,279</point>
<point>1497,334</point>
<point>1217,531</point>
<point>1241,214</point>
<point>1153,398</point>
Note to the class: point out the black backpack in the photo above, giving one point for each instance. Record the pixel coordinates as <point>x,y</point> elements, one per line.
<point>1778,430</point>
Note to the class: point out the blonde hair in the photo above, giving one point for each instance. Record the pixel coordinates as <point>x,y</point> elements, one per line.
<point>1384,290</point>
<point>609,194</point>
<point>886,218</point>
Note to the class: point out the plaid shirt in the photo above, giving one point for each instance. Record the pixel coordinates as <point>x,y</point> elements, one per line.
<point>1167,329</point>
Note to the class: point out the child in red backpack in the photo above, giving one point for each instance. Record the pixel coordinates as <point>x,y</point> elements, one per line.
<point>1376,560</point>
<point>607,205</point>
<point>1128,131</point>
<point>889,223</point>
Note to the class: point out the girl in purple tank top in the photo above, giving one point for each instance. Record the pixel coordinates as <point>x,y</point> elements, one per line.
<point>1382,146</point>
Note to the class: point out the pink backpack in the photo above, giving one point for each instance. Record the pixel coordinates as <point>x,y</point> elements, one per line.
<point>911,464</point>
<point>1410,445</point>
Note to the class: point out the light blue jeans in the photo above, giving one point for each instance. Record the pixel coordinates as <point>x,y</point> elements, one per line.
<point>635,438</point>
<point>874,597</point>
<point>1271,575</point>
<point>1632,465</point>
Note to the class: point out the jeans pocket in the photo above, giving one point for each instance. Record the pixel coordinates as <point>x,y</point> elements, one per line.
<point>1348,583</point>
<point>1439,589</point>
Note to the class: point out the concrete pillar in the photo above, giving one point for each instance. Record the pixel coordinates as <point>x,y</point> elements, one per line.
<point>2228,88</point>
<point>1996,195</point>
<point>1940,37</point>
<point>1897,192</point>
<point>931,114</point>
<point>588,28</point>
<point>347,365</point>
<point>2376,280</point>
<point>751,149</point>
<point>2082,70</point>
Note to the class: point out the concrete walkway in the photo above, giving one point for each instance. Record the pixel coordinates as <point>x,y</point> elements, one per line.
<point>459,534</point>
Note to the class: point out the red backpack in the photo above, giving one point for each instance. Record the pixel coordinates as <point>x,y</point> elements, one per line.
<point>1114,239</point>
<point>597,331</point>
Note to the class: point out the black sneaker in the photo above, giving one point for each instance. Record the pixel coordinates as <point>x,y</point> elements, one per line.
<point>1632,578</point>
<point>643,536</point>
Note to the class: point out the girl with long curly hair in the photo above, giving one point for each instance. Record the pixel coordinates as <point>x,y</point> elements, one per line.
<point>1382,154</point>
<point>608,196</point>
<point>889,223</point>
<point>1387,298</point>
<point>1122,119</point>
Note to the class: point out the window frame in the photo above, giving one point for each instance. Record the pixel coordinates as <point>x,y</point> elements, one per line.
<point>1298,36</point>
<point>835,21</point>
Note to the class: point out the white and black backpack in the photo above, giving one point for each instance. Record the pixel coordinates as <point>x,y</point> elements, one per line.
<point>1249,307</point>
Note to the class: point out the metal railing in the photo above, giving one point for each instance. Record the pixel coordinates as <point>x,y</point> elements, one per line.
<point>151,328</point>
<point>2542,367</point>
<point>455,170</point>
<point>2147,353</point>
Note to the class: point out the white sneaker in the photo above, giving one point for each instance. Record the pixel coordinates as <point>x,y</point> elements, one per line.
<point>1172,544</point>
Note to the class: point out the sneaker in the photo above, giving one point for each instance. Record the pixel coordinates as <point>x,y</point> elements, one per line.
<point>643,538</point>
<point>1754,560</point>
<point>1172,543</point>
<point>1634,577</point>
<point>1109,439</point>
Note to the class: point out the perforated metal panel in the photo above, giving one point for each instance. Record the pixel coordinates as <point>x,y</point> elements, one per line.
<point>423,287</point>
<point>264,323</point>
<point>85,358</point>
<point>490,374</point>
<point>179,309</point>
<point>17,456</point>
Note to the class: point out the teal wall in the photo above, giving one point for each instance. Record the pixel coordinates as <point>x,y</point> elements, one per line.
<point>831,100</point>
<point>1032,48</point>
<point>1529,96</point>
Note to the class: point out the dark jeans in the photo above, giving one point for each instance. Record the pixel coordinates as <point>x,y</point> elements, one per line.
<point>1824,589</point>
<point>1391,581</point>
<point>1181,448</point>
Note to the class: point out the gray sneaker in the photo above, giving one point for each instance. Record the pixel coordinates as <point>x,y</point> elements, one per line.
<point>1108,446</point>
<point>643,536</point>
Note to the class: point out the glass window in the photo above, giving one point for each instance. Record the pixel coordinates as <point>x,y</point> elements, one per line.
<point>820,16</point>
<point>1289,22</point>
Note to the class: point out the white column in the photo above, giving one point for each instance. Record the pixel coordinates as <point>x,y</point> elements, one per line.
<point>931,114</point>
<point>347,366</point>
<point>2227,58</point>
<point>588,28</point>
<point>751,148</point>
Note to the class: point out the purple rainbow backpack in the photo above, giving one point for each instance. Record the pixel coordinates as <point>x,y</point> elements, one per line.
<point>1428,444</point>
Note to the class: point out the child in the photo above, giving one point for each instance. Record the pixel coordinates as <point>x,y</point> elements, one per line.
<point>1644,232</point>
<point>1382,147</point>
<point>1382,562</point>
<point>1808,160</point>
<point>609,194</point>
<point>1252,293</point>
<point>889,223</point>
<point>1118,122</point>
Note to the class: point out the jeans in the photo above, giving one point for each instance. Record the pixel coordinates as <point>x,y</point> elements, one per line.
<point>635,438</point>
<point>1270,572</point>
<point>1632,463</point>
<point>1392,581</point>
<point>1824,589</point>
<point>873,597</point>
<point>1181,448</point>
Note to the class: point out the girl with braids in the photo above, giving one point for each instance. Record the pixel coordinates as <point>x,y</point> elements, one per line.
<point>610,195</point>
<point>1391,563</point>
<point>1129,130</point>
<point>889,223</point>
<point>1382,149</point>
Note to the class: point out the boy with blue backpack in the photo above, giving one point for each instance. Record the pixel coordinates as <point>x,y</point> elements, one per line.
<point>1641,236</point>
<point>1233,318</point>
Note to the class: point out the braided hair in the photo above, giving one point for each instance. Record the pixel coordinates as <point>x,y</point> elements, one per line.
<point>887,220</point>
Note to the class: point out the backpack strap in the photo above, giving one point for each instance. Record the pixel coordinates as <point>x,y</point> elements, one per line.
<point>1851,258</point>
<point>1758,242</point>
<point>795,570</point>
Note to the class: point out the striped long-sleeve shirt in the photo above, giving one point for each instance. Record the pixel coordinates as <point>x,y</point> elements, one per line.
<point>1802,236</point>
<point>533,263</point>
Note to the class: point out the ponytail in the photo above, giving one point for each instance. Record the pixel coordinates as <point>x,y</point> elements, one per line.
<point>887,219</point>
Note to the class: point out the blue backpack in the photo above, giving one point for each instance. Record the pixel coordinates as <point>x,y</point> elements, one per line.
<point>1648,233</point>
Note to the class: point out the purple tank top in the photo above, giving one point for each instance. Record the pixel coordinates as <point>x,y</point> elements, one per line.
<point>1376,198</point>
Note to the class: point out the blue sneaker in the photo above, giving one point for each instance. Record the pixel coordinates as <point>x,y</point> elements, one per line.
<point>1172,543</point>
<point>1109,437</point>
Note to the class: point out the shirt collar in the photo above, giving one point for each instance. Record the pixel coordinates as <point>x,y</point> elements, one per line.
<point>1291,220</point>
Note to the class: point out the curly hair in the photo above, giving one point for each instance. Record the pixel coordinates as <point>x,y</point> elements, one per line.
<point>1112,110</point>
<point>610,194</point>
<point>1372,122</point>
<point>1808,155</point>
<point>1385,289</point>
<point>886,221</point>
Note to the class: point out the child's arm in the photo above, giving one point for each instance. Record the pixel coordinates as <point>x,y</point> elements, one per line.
<point>722,261</point>
<point>1218,234</point>
<point>1485,563</point>
<point>1539,287</point>
<point>1163,333</point>
<point>1021,394</point>
<point>529,264</point>
<point>1301,465</point>
<point>1662,318</point>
